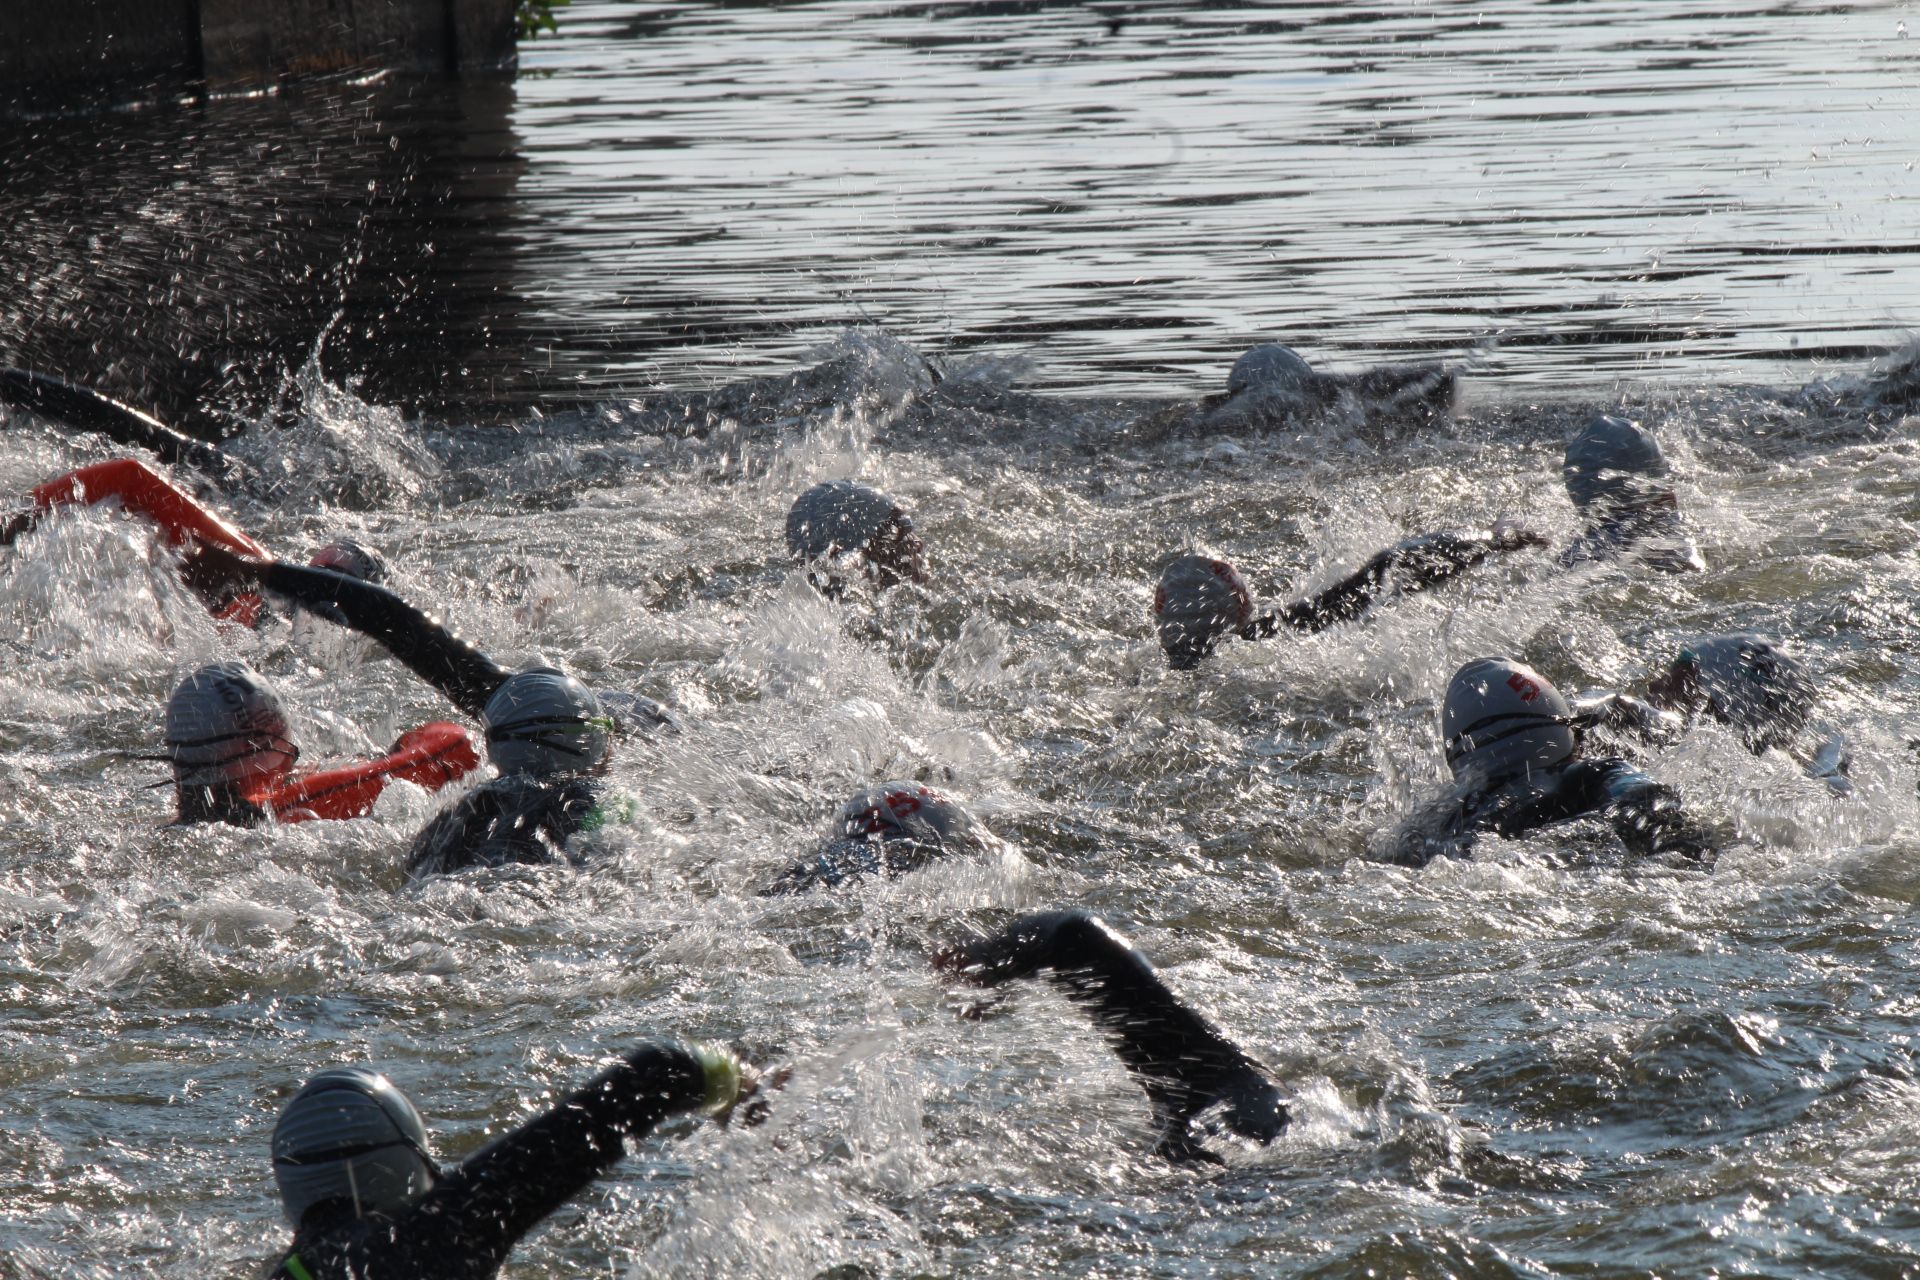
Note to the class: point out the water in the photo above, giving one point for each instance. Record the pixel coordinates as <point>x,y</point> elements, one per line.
<point>1509,1067</point>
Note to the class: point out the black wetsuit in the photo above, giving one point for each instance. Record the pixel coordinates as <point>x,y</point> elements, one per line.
<point>1412,565</point>
<point>466,1225</point>
<point>1645,815</point>
<point>1180,1059</point>
<point>216,804</point>
<point>1657,538</point>
<point>511,819</point>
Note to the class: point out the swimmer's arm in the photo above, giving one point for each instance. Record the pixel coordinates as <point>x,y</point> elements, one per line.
<point>1411,565</point>
<point>1627,716</point>
<point>422,643</point>
<point>1649,819</point>
<point>503,1191</point>
<point>1831,762</point>
<point>88,410</point>
<point>1183,1061</point>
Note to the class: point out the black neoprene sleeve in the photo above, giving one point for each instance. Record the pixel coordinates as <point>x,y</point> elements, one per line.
<point>421,642</point>
<point>1413,565</point>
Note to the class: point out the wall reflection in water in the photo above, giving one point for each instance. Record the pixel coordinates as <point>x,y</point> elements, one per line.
<point>192,254</point>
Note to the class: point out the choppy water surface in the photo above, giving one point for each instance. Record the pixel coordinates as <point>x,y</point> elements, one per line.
<point>1509,1067</point>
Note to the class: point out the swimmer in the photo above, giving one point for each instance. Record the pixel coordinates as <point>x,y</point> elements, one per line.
<point>841,522</point>
<point>228,742</point>
<point>1199,601</point>
<point>1185,1065</point>
<point>889,831</point>
<point>1615,474</point>
<point>367,1200</point>
<point>1513,743</point>
<point>1752,685</point>
<point>182,523</point>
<point>549,736</point>
<point>1271,383</point>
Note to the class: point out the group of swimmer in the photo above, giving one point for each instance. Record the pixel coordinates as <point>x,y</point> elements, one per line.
<point>351,1154</point>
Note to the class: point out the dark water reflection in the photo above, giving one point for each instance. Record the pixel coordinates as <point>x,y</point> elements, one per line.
<point>1129,193</point>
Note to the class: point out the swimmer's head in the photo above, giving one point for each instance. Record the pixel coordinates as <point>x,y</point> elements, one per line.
<point>1269,367</point>
<point>350,559</point>
<point>225,730</point>
<point>1614,467</point>
<point>1197,601</point>
<point>1746,682</point>
<point>1502,719</point>
<point>350,1137</point>
<point>354,559</point>
<point>908,811</point>
<point>544,722</point>
<point>842,518</point>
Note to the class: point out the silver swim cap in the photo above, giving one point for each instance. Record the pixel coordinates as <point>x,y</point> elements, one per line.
<point>1269,366</point>
<point>354,559</point>
<point>543,722</point>
<point>224,726</point>
<point>350,1135</point>
<point>1502,719</point>
<point>1610,460</point>
<point>837,517</point>
<point>1198,601</point>
<point>1753,687</point>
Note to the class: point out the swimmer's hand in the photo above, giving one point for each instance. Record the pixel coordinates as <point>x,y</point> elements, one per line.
<point>1509,534</point>
<point>732,1081</point>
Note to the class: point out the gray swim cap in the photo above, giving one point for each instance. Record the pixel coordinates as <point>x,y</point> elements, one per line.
<point>1753,687</point>
<point>837,517</point>
<point>1269,366</point>
<point>224,725</point>
<point>354,559</point>
<point>1502,719</point>
<point>350,1135</point>
<point>1609,460</point>
<point>543,722</point>
<point>908,811</point>
<point>1197,601</point>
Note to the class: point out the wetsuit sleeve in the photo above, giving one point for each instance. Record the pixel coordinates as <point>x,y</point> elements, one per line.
<point>1412,565</point>
<point>1180,1059</point>
<point>1647,816</point>
<point>422,643</point>
<point>503,1191</point>
<point>88,410</point>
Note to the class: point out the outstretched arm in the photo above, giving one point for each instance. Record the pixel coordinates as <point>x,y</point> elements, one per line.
<point>421,642</point>
<point>503,1191</point>
<point>1180,1059</point>
<point>88,410</point>
<point>1411,565</point>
